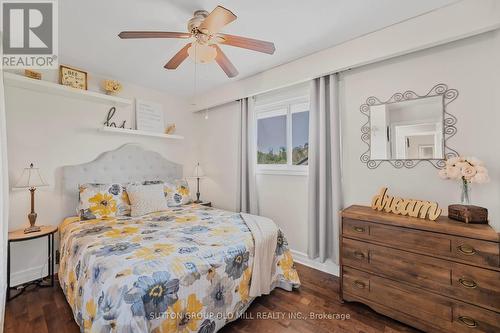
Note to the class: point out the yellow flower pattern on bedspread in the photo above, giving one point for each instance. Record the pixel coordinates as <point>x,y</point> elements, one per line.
<point>187,269</point>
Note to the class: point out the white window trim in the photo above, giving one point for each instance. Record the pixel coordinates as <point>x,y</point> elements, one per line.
<point>285,107</point>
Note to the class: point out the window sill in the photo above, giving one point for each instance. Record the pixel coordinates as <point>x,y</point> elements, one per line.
<point>303,173</point>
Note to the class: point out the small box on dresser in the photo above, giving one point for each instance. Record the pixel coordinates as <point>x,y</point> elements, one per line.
<point>438,276</point>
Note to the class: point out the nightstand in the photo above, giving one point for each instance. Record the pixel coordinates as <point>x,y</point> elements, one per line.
<point>20,236</point>
<point>206,203</point>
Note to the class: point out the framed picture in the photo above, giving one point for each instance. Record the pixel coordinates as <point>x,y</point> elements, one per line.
<point>72,77</point>
<point>149,116</point>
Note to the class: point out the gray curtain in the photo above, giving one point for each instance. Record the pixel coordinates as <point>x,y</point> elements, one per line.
<point>248,202</point>
<point>324,169</point>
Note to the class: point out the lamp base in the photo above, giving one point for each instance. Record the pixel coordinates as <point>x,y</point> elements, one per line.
<point>32,229</point>
<point>32,218</point>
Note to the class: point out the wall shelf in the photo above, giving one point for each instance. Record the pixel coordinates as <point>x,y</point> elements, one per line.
<point>138,132</point>
<point>15,80</point>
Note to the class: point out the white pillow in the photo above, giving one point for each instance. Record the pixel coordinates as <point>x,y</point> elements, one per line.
<point>145,199</point>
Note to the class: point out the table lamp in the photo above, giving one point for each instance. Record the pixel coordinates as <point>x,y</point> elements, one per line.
<point>31,179</point>
<point>198,174</point>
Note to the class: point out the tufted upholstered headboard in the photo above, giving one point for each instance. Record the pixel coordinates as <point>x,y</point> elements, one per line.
<point>128,163</point>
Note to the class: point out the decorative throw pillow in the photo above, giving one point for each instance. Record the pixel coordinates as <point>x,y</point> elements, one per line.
<point>103,201</point>
<point>177,192</point>
<point>145,199</point>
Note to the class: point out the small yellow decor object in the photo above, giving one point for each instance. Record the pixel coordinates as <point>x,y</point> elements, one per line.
<point>170,129</point>
<point>111,86</point>
<point>410,207</point>
<point>32,74</point>
<point>72,77</point>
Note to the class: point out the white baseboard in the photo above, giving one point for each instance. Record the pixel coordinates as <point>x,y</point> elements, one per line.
<point>328,266</point>
<point>30,274</point>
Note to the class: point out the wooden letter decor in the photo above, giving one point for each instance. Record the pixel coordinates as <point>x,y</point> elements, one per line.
<point>410,207</point>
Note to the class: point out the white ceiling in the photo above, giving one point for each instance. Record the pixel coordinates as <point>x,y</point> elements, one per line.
<point>88,34</point>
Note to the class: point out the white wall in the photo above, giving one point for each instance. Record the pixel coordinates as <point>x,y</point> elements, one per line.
<point>283,198</point>
<point>469,66</point>
<point>53,131</point>
<point>217,148</point>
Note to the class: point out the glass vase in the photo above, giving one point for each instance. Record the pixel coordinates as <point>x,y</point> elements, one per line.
<point>465,196</point>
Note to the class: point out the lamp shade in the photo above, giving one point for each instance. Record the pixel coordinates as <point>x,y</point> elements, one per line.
<point>202,53</point>
<point>198,171</point>
<point>30,178</point>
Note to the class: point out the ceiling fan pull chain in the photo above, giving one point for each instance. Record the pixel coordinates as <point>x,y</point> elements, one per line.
<point>195,75</point>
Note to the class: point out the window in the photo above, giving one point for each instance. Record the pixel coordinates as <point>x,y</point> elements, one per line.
<point>283,136</point>
<point>271,139</point>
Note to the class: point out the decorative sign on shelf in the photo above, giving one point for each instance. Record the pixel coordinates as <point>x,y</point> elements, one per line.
<point>415,208</point>
<point>110,115</point>
<point>72,77</point>
<point>32,74</point>
<point>149,116</point>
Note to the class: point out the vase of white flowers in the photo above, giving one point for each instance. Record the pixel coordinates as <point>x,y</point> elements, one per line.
<point>466,170</point>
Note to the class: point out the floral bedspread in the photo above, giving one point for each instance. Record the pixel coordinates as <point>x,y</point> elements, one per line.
<point>187,269</point>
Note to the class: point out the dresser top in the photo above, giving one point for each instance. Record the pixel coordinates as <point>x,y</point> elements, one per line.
<point>442,225</point>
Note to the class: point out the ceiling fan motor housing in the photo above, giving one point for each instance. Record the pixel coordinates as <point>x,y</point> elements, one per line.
<point>195,22</point>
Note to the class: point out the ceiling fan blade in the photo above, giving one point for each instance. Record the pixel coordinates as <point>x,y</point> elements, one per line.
<point>247,43</point>
<point>224,63</point>
<point>153,34</point>
<point>218,18</point>
<point>178,58</point>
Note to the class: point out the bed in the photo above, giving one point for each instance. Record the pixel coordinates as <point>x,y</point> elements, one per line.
<point>186,269</point>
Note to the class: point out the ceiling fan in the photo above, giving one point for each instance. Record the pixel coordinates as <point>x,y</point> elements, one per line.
<point>204,29</point>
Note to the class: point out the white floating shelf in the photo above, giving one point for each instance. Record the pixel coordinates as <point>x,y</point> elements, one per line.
<point>15,80</point>
<point>138,132</point>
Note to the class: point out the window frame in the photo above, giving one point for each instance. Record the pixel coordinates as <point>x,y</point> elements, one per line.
<point>286,107</point>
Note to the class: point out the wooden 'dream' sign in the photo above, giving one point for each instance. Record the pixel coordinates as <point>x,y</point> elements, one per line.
<point>410,207</point>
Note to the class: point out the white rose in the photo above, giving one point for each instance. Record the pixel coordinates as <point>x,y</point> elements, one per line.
<point>468,171</point>
<point>461,165</point>
<point>481,169</point>
<point>480,178</point>
<point>453,172</point>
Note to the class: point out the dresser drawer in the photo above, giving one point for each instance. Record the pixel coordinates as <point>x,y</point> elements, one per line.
<point>420,306</point>
<point>473,251</point>
<point>438,312</point>
<point>472,319</point>
<point>473,285</point>
<point>476,285</point>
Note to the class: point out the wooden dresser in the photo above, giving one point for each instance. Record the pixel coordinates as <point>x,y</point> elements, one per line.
<point>438,276</point>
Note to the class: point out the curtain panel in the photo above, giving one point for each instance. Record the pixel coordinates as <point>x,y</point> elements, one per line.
<point>248,201</point>
<point>324,170</point>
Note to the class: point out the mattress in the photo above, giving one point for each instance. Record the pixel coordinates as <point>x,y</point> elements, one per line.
<point>187,269</point>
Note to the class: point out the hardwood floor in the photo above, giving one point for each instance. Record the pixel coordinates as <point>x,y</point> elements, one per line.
<point>46,311</point>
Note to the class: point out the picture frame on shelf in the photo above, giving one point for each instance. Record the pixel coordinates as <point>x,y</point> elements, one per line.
<point>32,74</point>
<point>149,116</point>
<point>72,77</point>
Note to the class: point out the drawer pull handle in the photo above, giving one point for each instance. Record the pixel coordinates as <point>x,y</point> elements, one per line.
<point>466,249</point>
<point>359,255</point>
<point>471,284</point>
<point>468,321</point>
<point>359,284</point>
<point>358,229</point>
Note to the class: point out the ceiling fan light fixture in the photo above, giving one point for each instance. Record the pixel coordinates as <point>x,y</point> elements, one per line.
<point>202,53</point>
